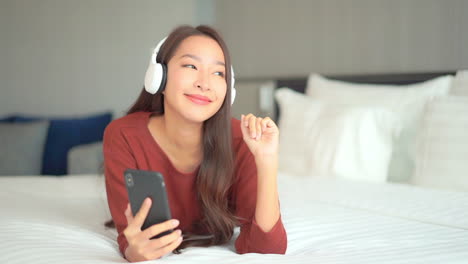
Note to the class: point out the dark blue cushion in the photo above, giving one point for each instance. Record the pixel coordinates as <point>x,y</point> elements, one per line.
<point>8,119</point>
<point>65,133</point>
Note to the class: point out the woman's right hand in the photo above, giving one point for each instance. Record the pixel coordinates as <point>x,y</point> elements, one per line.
<point>140,245</point>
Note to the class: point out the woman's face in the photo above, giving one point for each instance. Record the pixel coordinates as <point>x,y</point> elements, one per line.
<point>196,84</point>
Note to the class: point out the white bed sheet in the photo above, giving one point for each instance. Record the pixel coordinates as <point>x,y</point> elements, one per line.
<point>60,220</point>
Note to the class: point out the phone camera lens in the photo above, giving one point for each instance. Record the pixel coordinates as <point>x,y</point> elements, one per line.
<point>129,180</point>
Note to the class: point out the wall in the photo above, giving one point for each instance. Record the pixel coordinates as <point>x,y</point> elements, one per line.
<point>62,57</point>
<point>65,57</point>
<point>274,38</point>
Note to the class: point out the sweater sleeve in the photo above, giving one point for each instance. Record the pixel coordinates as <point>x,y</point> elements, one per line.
<point>117,158</point>
<point>252,239</point>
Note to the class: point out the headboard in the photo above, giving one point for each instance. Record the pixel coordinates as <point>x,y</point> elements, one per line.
<point>299,84</point>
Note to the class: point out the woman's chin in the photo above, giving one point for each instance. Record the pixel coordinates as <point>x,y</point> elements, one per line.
<point>198,116</point>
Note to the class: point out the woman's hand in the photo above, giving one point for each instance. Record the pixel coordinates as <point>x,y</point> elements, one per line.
<point>140,245</point>
<point>261,136</point>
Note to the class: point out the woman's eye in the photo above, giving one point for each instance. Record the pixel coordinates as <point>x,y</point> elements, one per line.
<point>220,74</point>
<point>189,66</point>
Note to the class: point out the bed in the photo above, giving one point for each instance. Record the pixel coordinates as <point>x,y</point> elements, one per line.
<point>328,219</point>
<point>60,220</point>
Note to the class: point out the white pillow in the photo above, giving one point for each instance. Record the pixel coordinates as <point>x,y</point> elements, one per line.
<point>321,139</point>
<point>442,160</point>
<point>460,83</point>
<point>407,101</point>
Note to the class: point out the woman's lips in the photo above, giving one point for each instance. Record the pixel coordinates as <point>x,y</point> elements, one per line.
<point>198,99</point>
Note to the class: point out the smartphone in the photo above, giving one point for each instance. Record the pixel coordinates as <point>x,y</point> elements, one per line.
<point>141,184</point>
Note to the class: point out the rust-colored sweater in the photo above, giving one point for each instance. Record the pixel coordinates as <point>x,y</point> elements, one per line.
<point>128,143</point>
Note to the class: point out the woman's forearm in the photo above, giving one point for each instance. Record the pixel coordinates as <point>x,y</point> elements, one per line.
<point>267,208</point>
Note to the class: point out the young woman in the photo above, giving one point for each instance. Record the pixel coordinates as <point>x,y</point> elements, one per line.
<point>219,172</point>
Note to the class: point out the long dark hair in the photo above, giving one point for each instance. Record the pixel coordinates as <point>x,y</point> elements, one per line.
<point>215,176</point>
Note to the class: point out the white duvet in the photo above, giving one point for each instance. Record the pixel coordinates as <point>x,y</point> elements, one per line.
<point>60,220</point>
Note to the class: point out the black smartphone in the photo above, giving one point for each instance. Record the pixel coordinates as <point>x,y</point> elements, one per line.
<point>141,184</point>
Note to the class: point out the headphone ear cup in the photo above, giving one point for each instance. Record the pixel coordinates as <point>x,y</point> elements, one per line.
<point>233,95</point>
<point>156,74</point>
<point>155,77</point>
<point>233,90</point>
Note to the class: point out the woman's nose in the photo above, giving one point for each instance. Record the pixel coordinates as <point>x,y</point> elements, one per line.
<point>202,82</point>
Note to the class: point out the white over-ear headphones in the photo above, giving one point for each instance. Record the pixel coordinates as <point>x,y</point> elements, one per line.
<point>156,75</point>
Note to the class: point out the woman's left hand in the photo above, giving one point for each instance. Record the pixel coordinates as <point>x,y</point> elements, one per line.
<point>261,136</point>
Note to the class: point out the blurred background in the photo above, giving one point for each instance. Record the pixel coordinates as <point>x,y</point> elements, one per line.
<point>64,57</point>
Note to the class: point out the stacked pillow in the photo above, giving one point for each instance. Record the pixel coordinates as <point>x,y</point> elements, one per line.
<point>399,120</point>
<point>323,139</point>
<point>406,101</point>
<point>63,134</point>
<point>442,154</point>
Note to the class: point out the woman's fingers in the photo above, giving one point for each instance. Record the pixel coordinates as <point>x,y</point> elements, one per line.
<point>140,245</point>
<point>244,127</point>
<point>157,248</point>
<point>159,228</point>
<point>140,217</point>
<point>165,240</point>
<point>259,128</point>
<point>128,214</point>
<point>252,126</point>
<point>166,249</point>
<point>134,223</point>
<point>250,121</point>
<point>256,126</point>
<point>246,119</point>
<point>267,123</point>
